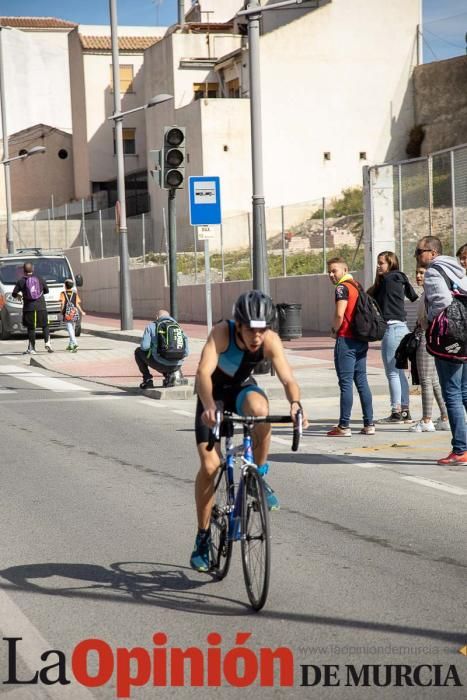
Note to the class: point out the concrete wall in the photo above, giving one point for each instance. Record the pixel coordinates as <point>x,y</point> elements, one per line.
<point>150,292</point>
<point>441,103</point>
<point>42,234</point>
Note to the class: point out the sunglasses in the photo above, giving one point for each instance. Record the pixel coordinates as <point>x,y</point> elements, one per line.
<point>419,251</point>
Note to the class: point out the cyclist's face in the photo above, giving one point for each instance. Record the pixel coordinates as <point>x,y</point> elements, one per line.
<point>252,338</point>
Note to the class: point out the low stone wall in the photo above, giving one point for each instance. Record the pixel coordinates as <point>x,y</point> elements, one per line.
<point>100,293</point>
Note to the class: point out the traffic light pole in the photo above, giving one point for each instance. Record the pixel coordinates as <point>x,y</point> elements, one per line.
<point>172,253</point>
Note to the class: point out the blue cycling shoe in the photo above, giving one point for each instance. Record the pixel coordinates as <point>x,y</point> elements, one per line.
<point>200,557</point>
<point>271,498</point>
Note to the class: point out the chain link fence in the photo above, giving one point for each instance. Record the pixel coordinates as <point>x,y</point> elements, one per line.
<point>422,197</point>
<point>300,237</point>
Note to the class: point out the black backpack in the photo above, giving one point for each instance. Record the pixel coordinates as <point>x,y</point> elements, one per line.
<point>446,336</point>
<point>170,340</point>
<point>368,324</point>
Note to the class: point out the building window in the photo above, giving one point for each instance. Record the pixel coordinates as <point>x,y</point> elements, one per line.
<point>129,142</point>
<point>126,78</point>
<point>204,90</point>
<point>327,155</point>
<point>362,155</point>
<point>233,88</point>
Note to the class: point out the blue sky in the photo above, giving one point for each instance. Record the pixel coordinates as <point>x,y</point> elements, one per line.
<point>445,22</point>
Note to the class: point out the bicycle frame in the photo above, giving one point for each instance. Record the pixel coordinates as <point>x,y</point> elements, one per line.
<point>235,514</point>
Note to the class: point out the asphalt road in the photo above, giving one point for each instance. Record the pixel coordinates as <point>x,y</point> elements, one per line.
<point>97,525</point>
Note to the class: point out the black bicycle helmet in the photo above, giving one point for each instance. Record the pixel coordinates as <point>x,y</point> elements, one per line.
<point>255,309</point>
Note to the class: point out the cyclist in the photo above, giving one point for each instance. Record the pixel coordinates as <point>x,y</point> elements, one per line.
<point>230,355</point>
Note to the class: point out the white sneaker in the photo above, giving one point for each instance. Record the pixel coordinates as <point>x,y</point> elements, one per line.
<point>30,351</point>
<point>422,427</point>
<point>48,347</point>
<point>442,424</point>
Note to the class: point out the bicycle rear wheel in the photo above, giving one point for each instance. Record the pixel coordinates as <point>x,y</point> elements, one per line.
<point>256,539</point>
<point>221,546</point>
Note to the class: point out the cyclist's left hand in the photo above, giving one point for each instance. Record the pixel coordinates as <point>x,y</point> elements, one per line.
<point>293,412</point>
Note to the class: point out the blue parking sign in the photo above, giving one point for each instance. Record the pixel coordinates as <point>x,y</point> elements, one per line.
<point>205,200</point>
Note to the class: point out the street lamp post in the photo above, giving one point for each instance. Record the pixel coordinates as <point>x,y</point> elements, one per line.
<point>252,14</point>
<point>126,309</point>
<point>6,163</point>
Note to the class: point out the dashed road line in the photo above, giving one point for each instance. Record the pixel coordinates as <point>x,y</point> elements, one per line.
<point>182,412</point>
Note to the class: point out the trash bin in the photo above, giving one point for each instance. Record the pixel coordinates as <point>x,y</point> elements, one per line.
<point>290,321</point>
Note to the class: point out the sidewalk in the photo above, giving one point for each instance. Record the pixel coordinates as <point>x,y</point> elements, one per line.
<point>311,358</point>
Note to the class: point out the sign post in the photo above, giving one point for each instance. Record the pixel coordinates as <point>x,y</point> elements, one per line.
<point>205,213</point>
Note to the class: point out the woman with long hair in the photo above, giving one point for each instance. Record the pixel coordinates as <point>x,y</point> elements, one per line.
<point>390,288</point>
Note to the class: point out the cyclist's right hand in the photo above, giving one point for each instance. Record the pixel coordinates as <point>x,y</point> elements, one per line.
<point>208,416</point>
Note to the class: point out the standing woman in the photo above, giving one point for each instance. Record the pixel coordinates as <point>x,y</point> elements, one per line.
<point>429,381</point>
<point>389,290</point>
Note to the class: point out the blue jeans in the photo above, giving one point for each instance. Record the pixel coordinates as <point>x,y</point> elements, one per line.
<point>453,380</point>
<point>398,384</point>
<point>350,363</point>
<point>70,326</point>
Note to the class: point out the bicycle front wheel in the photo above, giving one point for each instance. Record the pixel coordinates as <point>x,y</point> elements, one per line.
<point>256,539</point>
<point>221,546</point>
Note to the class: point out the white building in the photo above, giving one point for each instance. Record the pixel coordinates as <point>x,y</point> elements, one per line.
<point>336,92</point>
<point>92,104</point>
<point>37,79</point>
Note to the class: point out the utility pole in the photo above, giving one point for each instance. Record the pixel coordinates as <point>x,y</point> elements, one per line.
<point>252,13</point>
<point>260,255</point>
<point>126,307</point>
<point>5,157</point>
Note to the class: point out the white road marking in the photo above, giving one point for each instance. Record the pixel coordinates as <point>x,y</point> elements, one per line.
<point>66,398</point>
<point>8,391</point>
<point>282,441</point>
<point>183,413</point>
<point>40,380</point>
<point>152,402</point>
<point>366,465</point>
<point>14,623</point>
<point>439,485</point>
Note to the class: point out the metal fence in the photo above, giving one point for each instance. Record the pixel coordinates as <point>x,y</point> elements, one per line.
<point>421,197</point>
<point>300,237</point>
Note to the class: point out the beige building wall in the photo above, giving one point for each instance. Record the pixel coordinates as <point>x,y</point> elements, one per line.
<point>78,110</point>
<point>336,80</point>
<point>39,178</point>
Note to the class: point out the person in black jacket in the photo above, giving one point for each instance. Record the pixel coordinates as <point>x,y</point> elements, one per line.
<point>31,289</point>
<point>390,289</point>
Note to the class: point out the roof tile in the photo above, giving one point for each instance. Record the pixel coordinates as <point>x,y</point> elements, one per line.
<point>125,43</point>
<point>37,22</point>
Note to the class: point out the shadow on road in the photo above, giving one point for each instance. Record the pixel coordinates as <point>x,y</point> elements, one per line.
<point>169,586</point>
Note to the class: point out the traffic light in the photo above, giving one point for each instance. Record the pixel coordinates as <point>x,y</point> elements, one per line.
<point>155,166</point>
<point>173,160</point>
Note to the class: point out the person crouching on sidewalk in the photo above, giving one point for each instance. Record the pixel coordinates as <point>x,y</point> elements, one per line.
<point>70,304</point>
<point>349,354</point>
<point>163,347</point>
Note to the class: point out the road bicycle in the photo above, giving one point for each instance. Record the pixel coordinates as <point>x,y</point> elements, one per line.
<point>240,512</point>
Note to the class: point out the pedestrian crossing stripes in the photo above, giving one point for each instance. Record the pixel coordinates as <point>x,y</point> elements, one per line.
<point>40,380</point>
